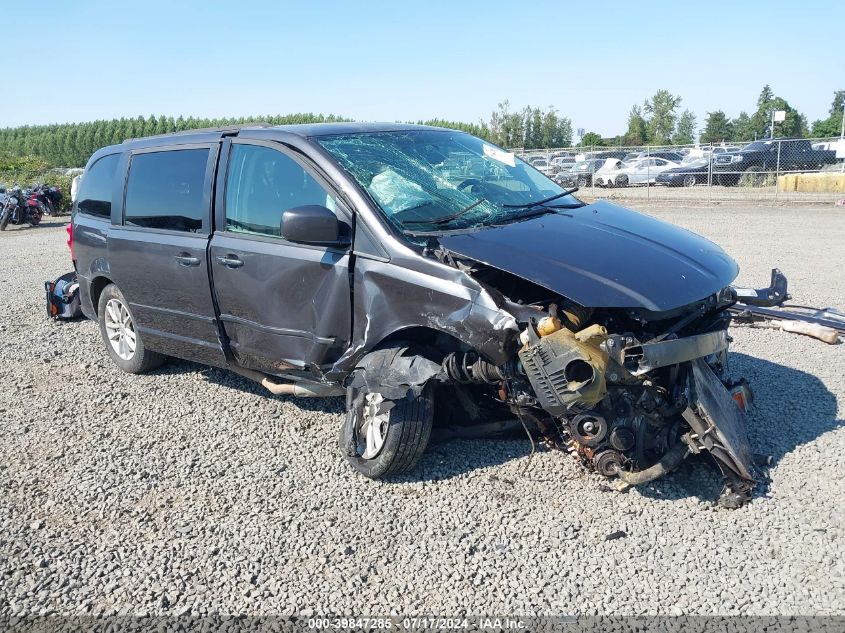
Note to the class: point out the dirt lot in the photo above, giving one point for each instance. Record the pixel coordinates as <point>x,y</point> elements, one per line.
<point>190,491</point>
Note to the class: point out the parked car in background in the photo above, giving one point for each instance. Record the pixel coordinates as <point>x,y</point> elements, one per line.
<point>581,173</point>
<point>542,165</point>
<point>615,173</point>
<point>689,174</point>
<point>755,163</point>
<point>675,157</point>
<point>603,155</point>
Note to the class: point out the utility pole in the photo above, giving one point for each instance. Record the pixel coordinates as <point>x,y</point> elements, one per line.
<point>842,130</point>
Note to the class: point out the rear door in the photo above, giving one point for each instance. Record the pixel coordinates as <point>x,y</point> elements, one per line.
<point>283,305</point>
<point>158,254</point>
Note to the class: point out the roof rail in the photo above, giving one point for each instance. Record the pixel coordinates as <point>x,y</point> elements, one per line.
<point>200,130</point>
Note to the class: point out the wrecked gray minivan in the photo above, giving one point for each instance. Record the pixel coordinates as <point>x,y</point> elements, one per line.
<point>416,271</point>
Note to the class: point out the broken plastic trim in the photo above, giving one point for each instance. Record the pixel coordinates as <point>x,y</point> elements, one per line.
<point>393,372</point>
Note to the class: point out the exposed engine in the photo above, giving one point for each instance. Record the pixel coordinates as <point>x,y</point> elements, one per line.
<point>629,406</point>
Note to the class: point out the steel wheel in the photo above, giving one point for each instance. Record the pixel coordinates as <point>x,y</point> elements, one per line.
<point>376,421</point>
<point>689,180</point>
<point>120,329</point>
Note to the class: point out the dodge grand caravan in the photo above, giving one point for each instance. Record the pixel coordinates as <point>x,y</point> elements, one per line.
<point>416,270</point>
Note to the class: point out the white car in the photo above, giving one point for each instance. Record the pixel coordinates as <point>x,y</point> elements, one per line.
<point>615,173</point>
<point>542,165</point>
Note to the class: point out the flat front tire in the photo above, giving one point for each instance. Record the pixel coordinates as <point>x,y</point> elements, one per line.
<point>390,436</point>
<point>122,339</point>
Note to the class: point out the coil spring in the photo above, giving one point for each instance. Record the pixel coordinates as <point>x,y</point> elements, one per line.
<point>468,367</point>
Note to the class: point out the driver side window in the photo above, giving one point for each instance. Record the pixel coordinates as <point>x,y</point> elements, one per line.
<point>261,184</point>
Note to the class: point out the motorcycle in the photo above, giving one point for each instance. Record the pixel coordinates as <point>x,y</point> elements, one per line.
<point>20,206</point>
<point>49,197</point>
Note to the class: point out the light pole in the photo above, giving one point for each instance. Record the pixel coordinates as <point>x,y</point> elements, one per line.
<point>842,130</point>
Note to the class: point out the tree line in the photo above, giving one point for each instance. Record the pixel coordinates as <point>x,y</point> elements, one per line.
<point>71,144</point>
<point>657,121</point>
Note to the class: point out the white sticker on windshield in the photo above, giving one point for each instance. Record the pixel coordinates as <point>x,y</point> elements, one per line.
<point>506,158</point>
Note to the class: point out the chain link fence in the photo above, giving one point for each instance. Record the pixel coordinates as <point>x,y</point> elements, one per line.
<point>768,170</point>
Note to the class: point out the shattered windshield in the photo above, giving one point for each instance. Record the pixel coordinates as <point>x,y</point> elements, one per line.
<point>429,179</point>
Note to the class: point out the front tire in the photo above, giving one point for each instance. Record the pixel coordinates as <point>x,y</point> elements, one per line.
<point>122,339</point>
<point>4,218</point>
<point>390,436</point>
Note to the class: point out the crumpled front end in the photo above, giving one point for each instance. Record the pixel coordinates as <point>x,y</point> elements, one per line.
<point>632,406</point>
<point>630,392</point>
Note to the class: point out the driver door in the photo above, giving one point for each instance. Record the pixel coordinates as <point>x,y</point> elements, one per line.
<point>283,305</point>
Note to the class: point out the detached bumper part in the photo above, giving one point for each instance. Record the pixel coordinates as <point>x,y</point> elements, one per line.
<point>774,295</point>
<point>719,426</point>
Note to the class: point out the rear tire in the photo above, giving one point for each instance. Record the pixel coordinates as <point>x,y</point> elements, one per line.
<point>689,180</point>
<point>582,182</point>
<point>122,339</point>
<point>405,429</point>
<point>622,180</point>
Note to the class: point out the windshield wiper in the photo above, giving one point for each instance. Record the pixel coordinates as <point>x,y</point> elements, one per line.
<point>538,203</point>
<point>447,218</point>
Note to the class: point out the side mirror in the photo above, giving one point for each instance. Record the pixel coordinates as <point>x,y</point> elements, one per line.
<point>314,224</point>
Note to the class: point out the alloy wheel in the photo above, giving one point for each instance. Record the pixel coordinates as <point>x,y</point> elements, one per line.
<point>376,419</point>
<point>120,329</point>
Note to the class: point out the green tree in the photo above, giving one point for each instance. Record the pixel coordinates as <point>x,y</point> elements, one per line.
<point>556,131</point>
<point>795,123</point>
<point>536,128</point>
<point>661,110</point>
<point>832,125</point>
<point>592,139</point>
<point>717,128</point>
<point>506,127</point>
<point>685,133</point>
<point>637,133</point>
<point>743,128</point>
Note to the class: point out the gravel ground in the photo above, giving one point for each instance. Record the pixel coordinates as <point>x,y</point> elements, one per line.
<point>190,491</point>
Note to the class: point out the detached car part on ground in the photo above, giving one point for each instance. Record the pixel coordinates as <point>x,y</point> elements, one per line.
<point>348,259</point>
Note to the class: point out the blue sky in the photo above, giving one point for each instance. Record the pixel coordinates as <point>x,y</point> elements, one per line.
<point>409,60</point>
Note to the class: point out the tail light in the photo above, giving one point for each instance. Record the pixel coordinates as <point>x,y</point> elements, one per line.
<point>69,230</point>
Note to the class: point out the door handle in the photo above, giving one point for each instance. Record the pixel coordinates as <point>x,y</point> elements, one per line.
<point>231,261</point>
<point>187,260</point>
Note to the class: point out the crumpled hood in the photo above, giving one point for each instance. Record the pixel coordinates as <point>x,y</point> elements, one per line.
<point>603,256</point>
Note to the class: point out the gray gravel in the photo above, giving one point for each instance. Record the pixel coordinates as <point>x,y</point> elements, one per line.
<point>191,491</point>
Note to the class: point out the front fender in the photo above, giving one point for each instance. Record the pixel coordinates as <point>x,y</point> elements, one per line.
<point>390,298</point>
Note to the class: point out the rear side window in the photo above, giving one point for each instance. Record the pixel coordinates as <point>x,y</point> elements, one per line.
<point>262,184</point>
<point>166,190</point>
<point>96,186</point>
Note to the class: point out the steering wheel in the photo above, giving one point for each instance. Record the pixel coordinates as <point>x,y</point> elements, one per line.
<point>469,182</point>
